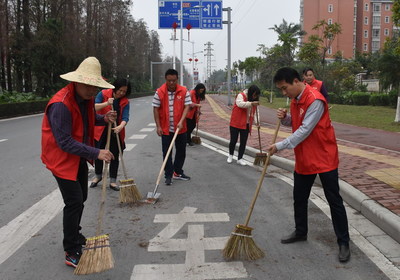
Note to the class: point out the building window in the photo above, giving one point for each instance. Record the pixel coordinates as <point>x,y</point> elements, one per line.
<point>365,47</point>
<point>375,46</point>
<point>330,50</point>
<point>377,7</point>
<point>376,20</point>
<point>387,7</point>
<point>330,21</point>
<point>365,33</point>
<point>366,20</point>
<point>375,33</point>
<point>386,32</point>
<point>330,8</point>
<point>387,19</point>
<point>366,7</point>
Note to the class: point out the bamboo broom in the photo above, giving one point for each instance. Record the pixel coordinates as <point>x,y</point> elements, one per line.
<point>97,256</point>
<point>241,244</point>
<point>196,139</point>
<point>260,157</point>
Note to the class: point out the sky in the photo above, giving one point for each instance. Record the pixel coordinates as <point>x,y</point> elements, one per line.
<point>251,20</point>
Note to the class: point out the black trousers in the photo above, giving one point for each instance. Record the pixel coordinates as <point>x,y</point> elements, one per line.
<point>330,184</point>
<point>180,155</point>
<point>114,164</point>
<point>244,134</point>
<point>191,124</point>
<point>74,194</point>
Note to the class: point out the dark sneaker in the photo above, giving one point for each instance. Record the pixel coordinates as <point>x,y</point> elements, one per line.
<point>72,259</point>
<point>191,144</point>
<point>181,177</point>
<point>81,239</point>
<point>168,181</point>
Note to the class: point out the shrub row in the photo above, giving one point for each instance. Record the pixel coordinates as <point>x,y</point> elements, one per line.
<point>365,98</point>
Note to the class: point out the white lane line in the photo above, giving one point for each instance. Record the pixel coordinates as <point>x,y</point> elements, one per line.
<point>138,136</point>
<point>151,124</point>
<point>3,140</point>
<point>129,147</point>
<point>147,129</point>
<point>17,232</point>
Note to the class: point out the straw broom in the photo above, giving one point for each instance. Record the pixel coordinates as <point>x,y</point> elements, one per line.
<point>128,191</point>
<point>196,139</point>
<point>241,244</point>
<point>260,157</point>
<point>97,256</point>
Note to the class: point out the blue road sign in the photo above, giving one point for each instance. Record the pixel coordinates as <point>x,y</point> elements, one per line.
<point>199,14</point>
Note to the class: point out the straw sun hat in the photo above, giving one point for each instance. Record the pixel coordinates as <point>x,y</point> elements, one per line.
<point>88,73</point>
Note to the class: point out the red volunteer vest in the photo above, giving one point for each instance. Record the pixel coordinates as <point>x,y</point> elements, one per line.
<point>60,163</point>
<point>316,84</point>
<point>193,110</point>
<point>98,130</point>
<point>318,153</point>
<point>239,115</point>
<point>179,106</point>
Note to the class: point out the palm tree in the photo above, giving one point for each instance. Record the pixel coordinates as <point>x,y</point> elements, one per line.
<point>288,35</point>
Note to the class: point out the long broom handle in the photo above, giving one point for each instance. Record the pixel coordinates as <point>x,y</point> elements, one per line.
<point>197,121</point>
<point>165,159</point>
<point>103,191</point>
<point>260,181</point>
<point>258,129</point>
<point>120,151</point>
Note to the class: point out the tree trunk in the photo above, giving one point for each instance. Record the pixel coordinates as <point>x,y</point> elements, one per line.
<point>27,50</point>
<point>397,118</point>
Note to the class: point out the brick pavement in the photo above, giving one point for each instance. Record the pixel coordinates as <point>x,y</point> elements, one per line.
<point>372,170</point>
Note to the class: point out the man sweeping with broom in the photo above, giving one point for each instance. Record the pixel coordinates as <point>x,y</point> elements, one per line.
<point>67,143</point>
<point>316,152</point>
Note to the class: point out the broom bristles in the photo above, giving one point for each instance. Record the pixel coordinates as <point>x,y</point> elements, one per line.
<point>241,245</point>
<point>260,159</point>
<point>96,257</point>
<point>196,140</point>
<point>128,192</point>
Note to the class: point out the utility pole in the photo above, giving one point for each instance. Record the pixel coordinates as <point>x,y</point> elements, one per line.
<point>208,54</point>
<point>228,80</point>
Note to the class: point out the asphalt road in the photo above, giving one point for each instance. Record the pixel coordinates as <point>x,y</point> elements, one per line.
<point>181,236</point>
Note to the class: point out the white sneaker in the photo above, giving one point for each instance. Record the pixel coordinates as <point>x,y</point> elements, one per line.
<point>241,162</point>
<point>229,160</point>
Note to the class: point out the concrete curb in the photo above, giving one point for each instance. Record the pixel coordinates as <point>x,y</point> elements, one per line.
<point>377,214</point>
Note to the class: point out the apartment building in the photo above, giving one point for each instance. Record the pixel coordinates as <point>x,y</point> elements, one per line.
<point>365,23</point>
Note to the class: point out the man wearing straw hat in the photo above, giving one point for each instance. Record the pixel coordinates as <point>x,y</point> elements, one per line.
<point>67,143</point>
<point>316,152</point>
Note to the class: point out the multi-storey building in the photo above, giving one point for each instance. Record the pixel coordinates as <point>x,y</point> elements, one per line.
<point>365,23</point>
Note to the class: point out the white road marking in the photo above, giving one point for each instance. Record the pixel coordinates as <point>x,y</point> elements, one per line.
<point>3,140</point>
<point>151,124</point>
<point>195,245</point>
<point>129,147</point>
<point>147,129</point>
<point>138,136</point>
<point>17,232</point>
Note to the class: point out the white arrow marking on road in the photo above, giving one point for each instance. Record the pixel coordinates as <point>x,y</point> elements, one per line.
<point>138,136</point>
<point>3,140</point>
<point>195,245</point>
<point>129,147</point>
<point>17,232</point>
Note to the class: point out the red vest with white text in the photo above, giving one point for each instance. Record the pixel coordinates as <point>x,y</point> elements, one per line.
<point>239,115</point>
<point>318,153</point>
<point>316,84</point>
<point>195,100</point>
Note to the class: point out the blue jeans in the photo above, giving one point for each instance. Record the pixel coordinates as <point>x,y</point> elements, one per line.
<point>180,155</point>
<point>330,184</point>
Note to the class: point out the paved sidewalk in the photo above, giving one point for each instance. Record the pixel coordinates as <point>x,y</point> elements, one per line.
<point>370,174</point>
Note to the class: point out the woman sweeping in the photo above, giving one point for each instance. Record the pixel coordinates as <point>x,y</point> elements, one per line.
<point>197,94</point>
<point>116,97</point>
<point>242,120</point>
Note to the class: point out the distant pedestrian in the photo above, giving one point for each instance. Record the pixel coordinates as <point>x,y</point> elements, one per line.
<point>170,107</point>
<point>68,143</point>
<point>241,122</point>
<point>309,78</point>
<point>316,152</point>
<point>118,98</point>
<point>197,94</point>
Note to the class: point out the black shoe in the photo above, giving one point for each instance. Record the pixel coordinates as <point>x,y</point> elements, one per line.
<point>114,188</point>
<point>293,238</point>
<point>81,239</point>
<point>72,258</point>
<point>191,144</point>
<point>94,184</point>
<point>344,253</point>
<point>181,177</point>
<point>168,181</point>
